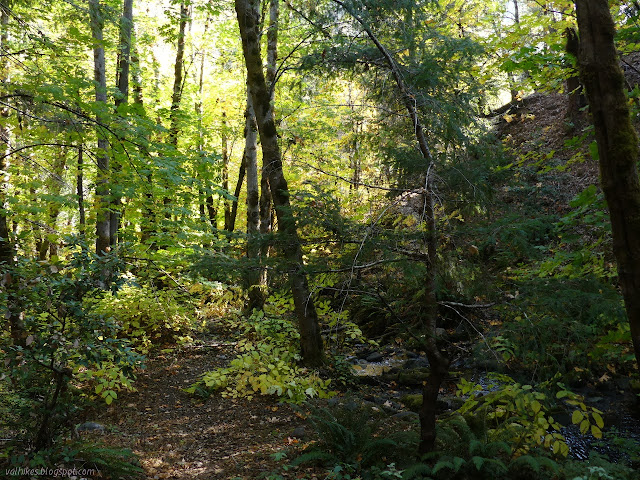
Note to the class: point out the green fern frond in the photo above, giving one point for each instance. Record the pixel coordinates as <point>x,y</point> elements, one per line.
<point>419,471</point>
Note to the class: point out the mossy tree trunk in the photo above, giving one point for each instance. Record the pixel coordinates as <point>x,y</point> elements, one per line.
<point>310,337</point>
<point>618,151</point>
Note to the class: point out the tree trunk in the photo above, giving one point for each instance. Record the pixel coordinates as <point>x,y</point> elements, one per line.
<point>236,194</point>
<point>617,147</point>
<point>103,230</point>
<point>252,276</point>
<point>176,96</point>
<point>122,85</point>
<point>8,279</point>
<point>574,87</point>
<point>310,338</point>
<point>80,192</point>
<point>438,362</point>
<point>225,172</point>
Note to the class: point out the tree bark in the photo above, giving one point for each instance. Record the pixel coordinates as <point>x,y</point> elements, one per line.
<point>617,147</point>
<point>310,338</point>
<point>103,220</point>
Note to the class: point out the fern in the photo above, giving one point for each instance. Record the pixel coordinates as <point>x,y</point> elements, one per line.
<point>419,471</point>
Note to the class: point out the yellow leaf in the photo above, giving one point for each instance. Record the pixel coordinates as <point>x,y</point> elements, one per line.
<point>598,419</point>
<point>584,426</point>
<point>596,432</point>
<point>577,417</point>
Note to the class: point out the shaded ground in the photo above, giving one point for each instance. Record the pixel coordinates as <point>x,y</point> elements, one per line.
<point>178,436</point>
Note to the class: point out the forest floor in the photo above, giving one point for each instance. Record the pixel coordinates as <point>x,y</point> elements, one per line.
<point>179,436</point>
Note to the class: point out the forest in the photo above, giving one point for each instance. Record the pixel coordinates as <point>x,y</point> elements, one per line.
<point>331,239</point>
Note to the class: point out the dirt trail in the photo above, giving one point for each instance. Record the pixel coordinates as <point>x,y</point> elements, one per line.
<point>177,436</point>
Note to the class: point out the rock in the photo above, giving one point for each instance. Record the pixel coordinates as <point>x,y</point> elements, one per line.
<point>374,357</point>
<point>90,427</point>
<point>298,432</point>
<point>412,354</point>
<point>413,377</point>
<point>406,414</point>
<point>440,332</point>
<point>412,401</point>
<point>417,362</point>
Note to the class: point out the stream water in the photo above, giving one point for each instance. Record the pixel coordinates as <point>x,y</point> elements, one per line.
<point>622,424</point>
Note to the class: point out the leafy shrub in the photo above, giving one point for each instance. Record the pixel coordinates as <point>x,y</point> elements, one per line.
<point>65,345</point>
<point>521,415</point>
<point>146,316</point>
<point>266,364</point>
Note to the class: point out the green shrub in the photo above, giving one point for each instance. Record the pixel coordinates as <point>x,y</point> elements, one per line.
<point>65,344</point>
<point>267,363</point>
<point>146,316</point>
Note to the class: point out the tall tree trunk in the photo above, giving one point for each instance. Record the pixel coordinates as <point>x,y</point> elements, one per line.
<point>225,171</point>
<point>80,192</point>
<point>310,338</point>
<point>176,96</point>
<point>122,85</point>
<point>103,220</point>
<point>252,276</point>
<point>8,278</point>
<point>236,193</point>
<point>438,362</point>
<point>617,147</point>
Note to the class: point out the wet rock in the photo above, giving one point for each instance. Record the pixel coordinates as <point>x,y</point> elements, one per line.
<point>417,362</point>
<point>374,357</point>
<point>413,377</point>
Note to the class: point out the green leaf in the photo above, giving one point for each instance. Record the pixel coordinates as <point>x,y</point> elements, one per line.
<point>478,462</point>
<point>596,432</point>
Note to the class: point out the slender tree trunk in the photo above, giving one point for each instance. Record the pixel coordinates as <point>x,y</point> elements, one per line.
<point>103,230</point>
<point>310,338</point>
<point>236,193</point>
<point>176,97</point>
<point>252,276</point>
<point>617,147</point>
<point>122,84</point>
<point>80,192</point>
<point>8,278</point>
<point>438,362</point>
<point>225,172</point>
